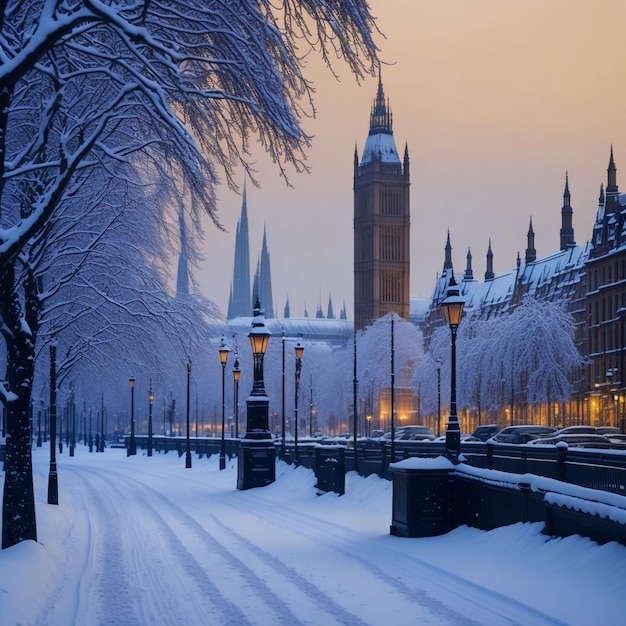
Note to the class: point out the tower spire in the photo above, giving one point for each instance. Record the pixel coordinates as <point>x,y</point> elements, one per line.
<point>469,273</point>
<point>489,273</point>
<point>380,117</point>
<point>240,302</point>
<point>567,229</point>
<point>531,252</point>
<point>447,263</point>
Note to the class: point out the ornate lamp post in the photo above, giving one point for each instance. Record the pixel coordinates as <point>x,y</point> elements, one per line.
<point>151,402</point>
<point>453,311</point>
<point>236,377</point>
<point>257,453</point>
<point>299,349</point>
<point>188,447</point>
<point>132,446</point>
<point>224,350</point>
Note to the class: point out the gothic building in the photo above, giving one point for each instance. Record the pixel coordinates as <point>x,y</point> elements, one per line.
<point>381,222</point>
<point>591,278</point>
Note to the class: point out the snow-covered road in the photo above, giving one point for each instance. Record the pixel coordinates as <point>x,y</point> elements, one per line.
<point>145,541</point>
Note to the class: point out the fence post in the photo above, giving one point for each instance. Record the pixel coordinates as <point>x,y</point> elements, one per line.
<point>561,454</point>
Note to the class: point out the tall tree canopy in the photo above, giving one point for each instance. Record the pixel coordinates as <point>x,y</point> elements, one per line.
<point>113,112</point>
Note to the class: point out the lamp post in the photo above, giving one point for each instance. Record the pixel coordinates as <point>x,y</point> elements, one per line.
<point>282,438</point>
<point>438,397</point>
<point>188,446</point>
<point>236,378</point>
<point>132,446</point>
<point>224,350</point>
<point>299,349</point>
<point>393,388</point>
<point>102,431</point>
<point>453,311</point>
<point>151,402</point>
<point>257,452</point>
<point>53,485</point>
<point>355,391</point>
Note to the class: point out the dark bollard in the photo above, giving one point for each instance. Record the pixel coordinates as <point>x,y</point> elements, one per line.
<point>561,454</point>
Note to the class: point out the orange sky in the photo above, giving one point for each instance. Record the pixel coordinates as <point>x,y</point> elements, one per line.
<point>495,98</point>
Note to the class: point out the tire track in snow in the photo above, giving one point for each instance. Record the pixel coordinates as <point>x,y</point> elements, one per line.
<point>168,545</point>
<point>319,600</point>
<point>338,536</point>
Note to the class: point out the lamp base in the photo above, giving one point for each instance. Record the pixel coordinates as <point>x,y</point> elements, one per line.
<point>256,463</point>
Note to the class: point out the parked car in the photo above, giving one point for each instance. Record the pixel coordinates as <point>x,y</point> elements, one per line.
<point>485,431</point>
<point>522,433</point>
<point>414,433</point>
<point>587,430</point>
<point>575,440</point>
<point>377,434</point>
<point>464,438</point>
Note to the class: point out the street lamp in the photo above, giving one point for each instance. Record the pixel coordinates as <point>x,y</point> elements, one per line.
<point>438,397</point>
<point>53,484</point>
<point>257,452</point>
<point>151,402</point>
<point>236,378</point>
<point>393,389</point>
<point>132,446</point>
<point>188,450</point>
<point>224,350</point>
<point>299,349</point>
<point>453,311</point>
<point>282,447</point>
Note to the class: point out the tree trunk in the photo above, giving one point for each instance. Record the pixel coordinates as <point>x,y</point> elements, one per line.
<point>18,503</point>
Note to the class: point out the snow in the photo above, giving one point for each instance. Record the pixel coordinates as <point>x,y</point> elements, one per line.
<point>381,146</point>
<point>143,540</point>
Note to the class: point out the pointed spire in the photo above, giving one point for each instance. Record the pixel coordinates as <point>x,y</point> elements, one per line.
<point>601,198</point>
<point>287,311</point>
<point>469,273</point>
<point>611,186</point>
<point>380,117</point>
<point>242,295</point>
<point>447,264</point>
<point>567,229</point>
<point>182,277</point>
<point>343,315</point>
<point>406,164</point>
<point>531,252</point>
<point>519,260</point>
<point>330,314</point>
<point>489,273</point>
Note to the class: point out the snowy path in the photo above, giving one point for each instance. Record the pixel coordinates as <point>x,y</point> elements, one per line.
<point>146,541</point>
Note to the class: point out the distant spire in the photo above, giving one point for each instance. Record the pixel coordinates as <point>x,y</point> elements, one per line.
<point>287,312</point>
<point>182,276</point>
<point>239,306</point>
<point>531,252</point>
<point>567,229</point>
<point>406,164</point>
<point>489,273</point>
<point>601,198</point>
<point>447,263</point>
<point>330,313</point>
<point>343,315</point>
<point>264,283</point>
<point>469,273</point>
<point>519,260</point>
<point>612,190</point>
<point>380,117</point>
<point>306,313</point>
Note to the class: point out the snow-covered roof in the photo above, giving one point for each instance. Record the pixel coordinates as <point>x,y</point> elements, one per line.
<point>381,146</point>
<point>310,328</point>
